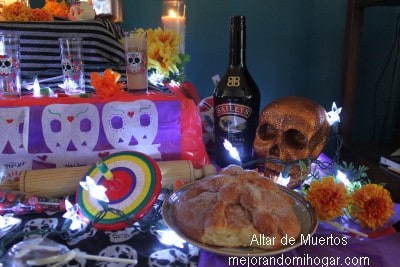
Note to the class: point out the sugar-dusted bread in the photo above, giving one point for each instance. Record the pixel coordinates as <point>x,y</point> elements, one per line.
<point>237,208</point>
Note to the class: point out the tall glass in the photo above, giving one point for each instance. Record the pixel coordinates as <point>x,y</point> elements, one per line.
<point>136,61</point>
<point>72,65</point>
<point>10,72</point>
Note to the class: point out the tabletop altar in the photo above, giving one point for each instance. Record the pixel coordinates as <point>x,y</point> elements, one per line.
<point>59,132</point>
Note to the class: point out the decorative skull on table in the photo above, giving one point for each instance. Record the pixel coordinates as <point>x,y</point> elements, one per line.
<point>5,65</point>
<point>289,129</point>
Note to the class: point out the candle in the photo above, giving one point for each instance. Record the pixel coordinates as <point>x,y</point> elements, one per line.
<point>36,88</point>
<point>2,48</point>
<point>173,18</point>
<point>174,22</point>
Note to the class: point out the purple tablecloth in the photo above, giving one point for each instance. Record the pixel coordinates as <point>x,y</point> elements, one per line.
<point>383,251</point>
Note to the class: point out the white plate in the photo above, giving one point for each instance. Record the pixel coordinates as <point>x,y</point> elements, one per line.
<point>306,214</point>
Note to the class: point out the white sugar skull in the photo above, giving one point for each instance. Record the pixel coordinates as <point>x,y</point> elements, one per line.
<point>67,67</point>
<point>135,61</point>
<point>5,65</point>
<point>13,124</point>
<point>291,128</point>
<point>132,125</point>
<point>122,235</point>
<point>118,251</point>
<point>168,258</point>
<point>70,127</point>
<point>76,262</point>
<point>43,224</point>
<point>91,233</point>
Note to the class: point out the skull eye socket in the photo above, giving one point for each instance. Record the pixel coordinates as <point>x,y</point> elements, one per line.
<point>267,131</point>
<point>295,139</point>
<point>117,122</point>
<point>145,120</point>
<point>55,126</point>
<point>85,125</point>
<point>7,63</point>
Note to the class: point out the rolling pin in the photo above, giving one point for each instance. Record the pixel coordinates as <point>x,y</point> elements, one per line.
<point>59,182</point>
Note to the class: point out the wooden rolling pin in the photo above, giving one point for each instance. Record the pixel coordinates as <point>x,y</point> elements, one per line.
<point>59,182</point>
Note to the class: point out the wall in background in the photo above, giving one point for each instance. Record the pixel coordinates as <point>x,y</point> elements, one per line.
<point>294,47</point>
<point>378,101</point>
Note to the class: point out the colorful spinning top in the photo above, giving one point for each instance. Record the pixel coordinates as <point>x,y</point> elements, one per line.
<point>133,183</point>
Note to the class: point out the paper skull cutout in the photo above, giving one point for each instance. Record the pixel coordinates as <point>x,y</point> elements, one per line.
<point>291,128</point>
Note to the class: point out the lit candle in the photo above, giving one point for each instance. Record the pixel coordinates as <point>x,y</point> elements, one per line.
<point>36,88</point>
<point>2,48</point>
<point>173,18</point>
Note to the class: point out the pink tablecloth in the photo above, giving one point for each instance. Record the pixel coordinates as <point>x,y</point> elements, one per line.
<point>383,251</point>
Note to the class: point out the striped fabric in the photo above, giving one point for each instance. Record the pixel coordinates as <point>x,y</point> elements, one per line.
<point>40,52</point>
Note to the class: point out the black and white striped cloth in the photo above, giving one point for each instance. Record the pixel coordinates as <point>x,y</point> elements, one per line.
<point>40,52</point>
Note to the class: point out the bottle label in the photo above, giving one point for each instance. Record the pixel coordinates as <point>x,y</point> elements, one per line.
<point>232,117</point>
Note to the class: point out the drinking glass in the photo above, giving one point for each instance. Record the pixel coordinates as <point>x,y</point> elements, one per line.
<point>136,61</point>
<point>10,72</point>
<point>72,65</point>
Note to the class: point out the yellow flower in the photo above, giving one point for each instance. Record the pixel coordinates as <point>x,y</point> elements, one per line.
<point>163,51</point>
<point>16,11</point>
<point>328,198</point>
<point>371,205</point>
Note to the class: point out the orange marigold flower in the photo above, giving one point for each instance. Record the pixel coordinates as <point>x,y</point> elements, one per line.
<point>16,11</point>
<point>59,9</point>
<point>328,198</point>
<point>39,14</point>
<point>371,205</point>
<point>106,86</point>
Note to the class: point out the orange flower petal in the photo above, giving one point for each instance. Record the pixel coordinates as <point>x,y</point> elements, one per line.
<point>328,198</point>
<point>372,206</point>
<point>106,86</point>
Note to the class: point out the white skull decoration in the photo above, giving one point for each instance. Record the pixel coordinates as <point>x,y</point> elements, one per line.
<point>67,67</point>
<point>135,61</point>
<point>5,66</point>
<point>291,128</point>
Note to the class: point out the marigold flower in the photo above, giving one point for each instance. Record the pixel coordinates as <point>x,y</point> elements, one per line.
<point>328,198</point>
<point>60,9</point>
<point>16,11</point>
<point>106,86</point>
<point>39,14</point>
<point>371,205</point>
<point>163,50</point>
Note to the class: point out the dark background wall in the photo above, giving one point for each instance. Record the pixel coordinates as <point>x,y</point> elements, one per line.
<point>294,47</point>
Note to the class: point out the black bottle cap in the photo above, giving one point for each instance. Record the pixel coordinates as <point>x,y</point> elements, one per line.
<point>238,22</point>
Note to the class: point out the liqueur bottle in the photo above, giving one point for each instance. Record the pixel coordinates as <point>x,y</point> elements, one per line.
<point>236,103</point>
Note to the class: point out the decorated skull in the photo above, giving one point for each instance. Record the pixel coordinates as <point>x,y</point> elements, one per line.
<point>290,128</point>
<point>118,251</point>
<point>5,66</point>
<point>136,61</point>
<point>66,66</point>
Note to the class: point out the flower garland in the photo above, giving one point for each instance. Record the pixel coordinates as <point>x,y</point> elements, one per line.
<point>39,14</point>
<point>367,203</point>
<point>57,8</point>
<point>18,11</point>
